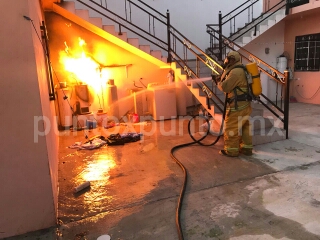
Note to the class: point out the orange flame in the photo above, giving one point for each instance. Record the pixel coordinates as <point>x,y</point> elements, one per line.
<point>83,67</point>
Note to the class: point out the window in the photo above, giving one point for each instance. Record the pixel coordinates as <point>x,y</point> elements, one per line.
<point>307,53</point>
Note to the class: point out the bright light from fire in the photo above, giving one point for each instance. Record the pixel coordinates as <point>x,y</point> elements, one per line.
<point>81,42</point>
<point>83,67</point>
<point>98,169</point>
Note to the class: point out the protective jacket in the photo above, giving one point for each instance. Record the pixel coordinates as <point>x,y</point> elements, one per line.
<point>232,78</point>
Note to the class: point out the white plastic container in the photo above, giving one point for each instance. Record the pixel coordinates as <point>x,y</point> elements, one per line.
<point>81,187</point>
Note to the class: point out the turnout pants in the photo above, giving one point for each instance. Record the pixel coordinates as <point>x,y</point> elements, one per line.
<point>237,133</point>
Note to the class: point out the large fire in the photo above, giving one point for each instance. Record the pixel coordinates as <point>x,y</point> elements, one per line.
<point>83,67</point>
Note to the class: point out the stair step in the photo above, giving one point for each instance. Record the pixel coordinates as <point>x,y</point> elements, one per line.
<point>202,100</point>
<point>260,122</point>
<point>110,29</point>
<point>157,54</point>
<point>96,21</point>
<point>270,22</point>
<point>236,47</point>
<point>254,34</point>
<point>164,59</point>
<point>263,28</point>
<point>246,39</point>
<point>134,42</point>
<point>123,36</point>
<point>84,14</point>
<point>145,48</point>
<point>70,6</point>
<point>279,17</point>
<point>256,111</point>
<point>268,135</point>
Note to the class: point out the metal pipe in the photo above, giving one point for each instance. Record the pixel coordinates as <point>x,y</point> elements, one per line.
<point>220,36</point>
<point>125,9</point>
<point>286,103</point>
<point>251,13</point>
<point>47,54</point>
<point>169,59</point>
<point>277,93</point>
<point>159,13</point>
<point>234,25</point>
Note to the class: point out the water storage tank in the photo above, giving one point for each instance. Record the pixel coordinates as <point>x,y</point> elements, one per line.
<point>112,99</point>
<point>274,89</point>
<point>282,63</point>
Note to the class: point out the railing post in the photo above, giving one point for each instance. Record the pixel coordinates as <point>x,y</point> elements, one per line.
<point>286,102</point>
<point>287,7</point>
<point>220,36</point>
<point>169,59</point>
<point>120,32</point>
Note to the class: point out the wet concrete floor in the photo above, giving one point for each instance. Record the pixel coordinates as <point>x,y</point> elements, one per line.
<point>134,190</point>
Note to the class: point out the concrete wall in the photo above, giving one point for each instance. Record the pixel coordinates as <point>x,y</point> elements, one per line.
<point>268,47</point>
<point>305,7</point>
<point>305,86</point>
<point>28,169</point>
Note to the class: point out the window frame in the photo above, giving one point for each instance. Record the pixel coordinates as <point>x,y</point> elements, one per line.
<point>307,53</point>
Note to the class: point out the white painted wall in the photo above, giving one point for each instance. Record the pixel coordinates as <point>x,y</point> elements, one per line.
<point>28,169</point>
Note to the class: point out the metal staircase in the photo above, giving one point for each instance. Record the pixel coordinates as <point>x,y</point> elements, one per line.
<point>243,33</point>
<point>177,50</point>
<point>84,9</point>
<point>258,27</point>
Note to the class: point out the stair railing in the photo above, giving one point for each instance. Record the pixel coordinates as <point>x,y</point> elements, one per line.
<point>125,18</point>
<point>158,31</point>
<point>255,22</point>
<point>271,72</point>
<point>180,44</point>
<point>238,13</point>
<point>245,8</point>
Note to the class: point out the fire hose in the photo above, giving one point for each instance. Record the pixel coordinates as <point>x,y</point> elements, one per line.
<point>195,141</point>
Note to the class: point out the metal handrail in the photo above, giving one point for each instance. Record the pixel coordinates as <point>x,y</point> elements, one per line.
<point>275,74</point>
<point>150,8</point>
<point>240,12</point>
<point>123,19</point>
<point>209,62</point>
<point>236,9</point>
<point>201,85</point>
<point>263,16</point>
<point>191,45</point>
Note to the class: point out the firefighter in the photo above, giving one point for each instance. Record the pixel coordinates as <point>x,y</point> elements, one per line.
<point>237,134</point>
